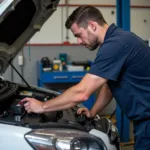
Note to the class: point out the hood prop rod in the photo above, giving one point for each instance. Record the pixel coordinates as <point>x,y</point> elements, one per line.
<point>19,74</point>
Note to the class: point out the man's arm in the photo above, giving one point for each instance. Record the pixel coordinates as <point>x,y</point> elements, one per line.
<point>103,99</point>
<point>75,94</point>
<point>71,97</point>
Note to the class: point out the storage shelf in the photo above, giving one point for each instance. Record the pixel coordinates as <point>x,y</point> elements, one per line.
<point>62,79</point>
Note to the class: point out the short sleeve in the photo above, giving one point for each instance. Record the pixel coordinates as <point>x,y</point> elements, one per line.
<point>110,60</point>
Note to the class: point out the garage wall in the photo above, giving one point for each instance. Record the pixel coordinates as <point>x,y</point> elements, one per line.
<point>54,32</point>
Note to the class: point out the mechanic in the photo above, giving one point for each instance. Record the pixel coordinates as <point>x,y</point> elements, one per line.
<point>121,70</point>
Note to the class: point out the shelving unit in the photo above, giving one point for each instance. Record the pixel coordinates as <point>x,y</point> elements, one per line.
<point>60,80</point>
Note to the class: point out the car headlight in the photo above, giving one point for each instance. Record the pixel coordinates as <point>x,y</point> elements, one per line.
<point>63,139</point>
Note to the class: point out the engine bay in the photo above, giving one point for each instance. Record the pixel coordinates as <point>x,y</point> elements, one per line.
<point>13,112</point>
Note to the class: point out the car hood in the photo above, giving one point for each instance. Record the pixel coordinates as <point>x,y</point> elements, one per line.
<point>19,21</point>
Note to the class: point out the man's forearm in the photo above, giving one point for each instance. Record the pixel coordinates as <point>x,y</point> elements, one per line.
<point>68,99</point>
<point>102,101</point>
<point>66,106</point>
<point>71,97</point>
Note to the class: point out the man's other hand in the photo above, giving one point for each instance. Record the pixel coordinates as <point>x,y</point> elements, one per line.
<point>33,105</point>
<point>84,111</point>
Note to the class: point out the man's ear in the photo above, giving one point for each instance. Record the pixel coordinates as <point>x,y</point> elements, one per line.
<point>92,25</point>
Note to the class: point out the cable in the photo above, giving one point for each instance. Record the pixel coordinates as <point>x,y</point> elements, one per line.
<point>23,114</point>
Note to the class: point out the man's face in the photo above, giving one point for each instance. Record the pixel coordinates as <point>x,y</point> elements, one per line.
<point>85,37</point>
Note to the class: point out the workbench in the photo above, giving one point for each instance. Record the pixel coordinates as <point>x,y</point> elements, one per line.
<point>61,80</point>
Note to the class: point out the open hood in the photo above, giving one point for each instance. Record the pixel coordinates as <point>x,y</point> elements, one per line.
<point>19,21</point>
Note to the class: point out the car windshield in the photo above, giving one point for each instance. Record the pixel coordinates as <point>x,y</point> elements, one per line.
<point>4,4</point>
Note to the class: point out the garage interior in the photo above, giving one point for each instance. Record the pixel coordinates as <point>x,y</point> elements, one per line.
<point>52,56</point>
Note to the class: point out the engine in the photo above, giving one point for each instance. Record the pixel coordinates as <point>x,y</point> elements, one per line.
<point>13,112</point>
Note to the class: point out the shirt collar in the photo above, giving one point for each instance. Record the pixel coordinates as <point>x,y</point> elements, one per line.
<point>109,31</point>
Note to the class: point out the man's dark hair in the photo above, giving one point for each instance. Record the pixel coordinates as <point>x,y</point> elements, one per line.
<point>83,14</point>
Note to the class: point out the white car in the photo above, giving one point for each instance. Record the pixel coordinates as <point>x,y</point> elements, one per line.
<point>61,130</point>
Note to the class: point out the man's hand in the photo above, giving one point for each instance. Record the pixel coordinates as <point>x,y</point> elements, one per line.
<point>33,105</point>
<point>84,111</point>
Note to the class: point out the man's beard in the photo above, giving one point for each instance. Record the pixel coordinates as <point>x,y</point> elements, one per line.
<point>94,42</point>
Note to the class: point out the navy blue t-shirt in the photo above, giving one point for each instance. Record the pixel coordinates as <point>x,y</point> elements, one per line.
<point>124,59</point>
